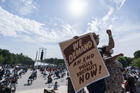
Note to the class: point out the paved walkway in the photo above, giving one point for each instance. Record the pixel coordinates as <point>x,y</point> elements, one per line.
<point>38,85</point>
<point>61,89</point>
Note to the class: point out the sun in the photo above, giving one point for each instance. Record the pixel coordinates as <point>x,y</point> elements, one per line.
<point>77,7</point>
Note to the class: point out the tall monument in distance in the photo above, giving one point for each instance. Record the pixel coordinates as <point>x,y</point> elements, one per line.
<point>40,56</point>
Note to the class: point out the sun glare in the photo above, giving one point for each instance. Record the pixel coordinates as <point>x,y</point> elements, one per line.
<point>77,7</point>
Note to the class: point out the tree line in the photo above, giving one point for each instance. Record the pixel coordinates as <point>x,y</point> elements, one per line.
<point>10,58</point>
<point>131,61</point>
<point>19,59</point>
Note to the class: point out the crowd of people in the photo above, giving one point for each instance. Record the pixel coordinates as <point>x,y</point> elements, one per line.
<point>113,84</point>
<point>52,74</point>
<point>9,76</point>
<point>131,79</point>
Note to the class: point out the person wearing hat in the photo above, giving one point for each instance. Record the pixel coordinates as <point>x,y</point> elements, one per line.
<point>113,82</point>
<point>100,85</point>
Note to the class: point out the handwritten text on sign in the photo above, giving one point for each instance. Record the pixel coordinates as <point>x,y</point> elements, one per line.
<point>83,61</point>
<point>78,48</point>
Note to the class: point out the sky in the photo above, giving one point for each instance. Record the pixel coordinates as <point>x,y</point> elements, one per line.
<point>27,25</point>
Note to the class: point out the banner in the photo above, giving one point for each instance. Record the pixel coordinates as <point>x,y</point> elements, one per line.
<point>83,61</point>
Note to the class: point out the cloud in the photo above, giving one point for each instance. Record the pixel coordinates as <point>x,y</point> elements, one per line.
<point>106,21</point>
<point>93,26</point>
<point>126,32</point>
<point>107,16</point>
<point>128,27</point>
<point>127,44</point>
<point>26,7</point>
<point>32,31</point>
<point>20,7</point>
<point>119,3</point>
<point>69,29</point>
<point>10,24</point>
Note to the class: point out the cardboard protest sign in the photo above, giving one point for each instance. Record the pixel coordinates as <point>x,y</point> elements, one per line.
<point>83,61</point>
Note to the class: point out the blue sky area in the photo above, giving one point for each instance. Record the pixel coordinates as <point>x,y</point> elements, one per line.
<point>27,25</point>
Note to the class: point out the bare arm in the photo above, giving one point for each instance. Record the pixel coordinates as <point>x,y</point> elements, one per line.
<point>111,43</point>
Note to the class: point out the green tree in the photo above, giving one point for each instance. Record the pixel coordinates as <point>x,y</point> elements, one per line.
<point>10,58</point>
<point>6,54</point>
<point>137,54</point>
<point>136,62</point>
<point>126,61</point>
<point>1,59</point>
<point>54,61</point>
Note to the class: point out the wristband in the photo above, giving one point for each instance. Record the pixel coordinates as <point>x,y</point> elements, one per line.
<point>110,36</point>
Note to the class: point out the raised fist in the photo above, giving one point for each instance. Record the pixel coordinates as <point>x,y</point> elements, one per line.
<point>108,31</point>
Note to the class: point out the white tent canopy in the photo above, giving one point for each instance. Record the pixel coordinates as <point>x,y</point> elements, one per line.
<point>37,63</point>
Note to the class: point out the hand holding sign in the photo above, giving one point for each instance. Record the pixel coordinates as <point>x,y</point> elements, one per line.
<point>83,61</point>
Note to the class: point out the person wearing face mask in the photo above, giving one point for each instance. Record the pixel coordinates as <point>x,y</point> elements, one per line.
<point>114,81</point>
<point>101,86</point>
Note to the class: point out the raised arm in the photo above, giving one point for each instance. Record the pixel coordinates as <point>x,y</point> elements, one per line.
<point>111,43</point>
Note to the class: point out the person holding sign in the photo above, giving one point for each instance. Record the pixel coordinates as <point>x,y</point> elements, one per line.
<point>89,67</point>
<point>113,82</point>
<point>100,86</point>
<point>105,51</point>
<point>86,63</point>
